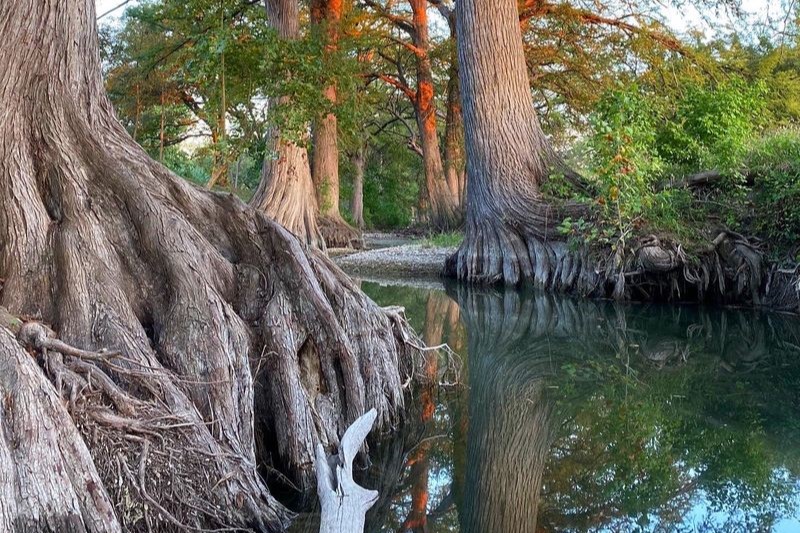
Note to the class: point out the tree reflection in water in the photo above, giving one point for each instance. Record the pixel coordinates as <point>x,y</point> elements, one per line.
<point>582,415</point>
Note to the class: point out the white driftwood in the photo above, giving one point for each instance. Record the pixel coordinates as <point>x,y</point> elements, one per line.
<point>344,503</point>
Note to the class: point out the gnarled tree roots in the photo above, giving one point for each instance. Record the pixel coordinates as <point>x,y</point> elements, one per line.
<point>337,233</point>
<point>232,351</point>
<point>731,269</point>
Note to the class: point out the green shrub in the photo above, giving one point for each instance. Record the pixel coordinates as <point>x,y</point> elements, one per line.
<point>711,126</point>
<point>623,155</point>
<point>640,139</point>
<point>775,162</point>
<point>195,169</point>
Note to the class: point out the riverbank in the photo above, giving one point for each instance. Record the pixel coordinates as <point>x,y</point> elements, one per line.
<point>389,255</point>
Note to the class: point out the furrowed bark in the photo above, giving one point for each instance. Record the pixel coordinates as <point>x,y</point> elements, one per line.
<point>507,152</point>
<point>229,345</point>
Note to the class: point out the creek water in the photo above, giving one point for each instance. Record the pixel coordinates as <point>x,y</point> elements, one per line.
<point>580,415</point>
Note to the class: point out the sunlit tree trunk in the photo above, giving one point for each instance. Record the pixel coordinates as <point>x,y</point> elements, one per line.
<point>325,165</point>
<point>228,345</point>
<point>286,191</point>
<point>440,204</point>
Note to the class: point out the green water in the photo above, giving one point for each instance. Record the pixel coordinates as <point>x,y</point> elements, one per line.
<point>579,415</point>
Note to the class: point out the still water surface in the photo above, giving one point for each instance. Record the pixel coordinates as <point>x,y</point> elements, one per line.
<point>579,415</point>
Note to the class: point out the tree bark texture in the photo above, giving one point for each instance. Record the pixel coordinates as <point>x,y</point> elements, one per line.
<point>325,166</point>
<point>286,190</point>
<point>507,153</point>
<point>440,204</point>
<point>231,346</point>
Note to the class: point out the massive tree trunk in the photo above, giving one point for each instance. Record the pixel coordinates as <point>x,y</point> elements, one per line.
<point>441,205</point>
<point>325,165</point>
<point>286,191</point>
<point>507,152</point>
<point>230,346</point>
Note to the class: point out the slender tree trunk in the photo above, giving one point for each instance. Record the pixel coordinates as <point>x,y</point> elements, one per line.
<point>357,207</point>
<point>138,111</point>
<point>286,191</point>
<point>325,168</point>
<point>454,157</point>
<point>326,15</point>
<point>219,174</point>
<point>161,130</point>
<point>440,203</point>
<point>229,346</point>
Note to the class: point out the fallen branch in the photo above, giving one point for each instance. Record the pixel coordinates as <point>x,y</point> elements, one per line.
<point>344,502</point>
<point>707,177</point>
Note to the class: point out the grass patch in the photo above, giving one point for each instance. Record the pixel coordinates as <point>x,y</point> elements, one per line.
<point>450,239</point>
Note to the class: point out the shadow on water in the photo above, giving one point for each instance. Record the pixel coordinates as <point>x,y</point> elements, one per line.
<point>580,415</point>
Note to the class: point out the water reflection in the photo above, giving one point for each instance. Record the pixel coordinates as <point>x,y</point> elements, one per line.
<point>584,416</point>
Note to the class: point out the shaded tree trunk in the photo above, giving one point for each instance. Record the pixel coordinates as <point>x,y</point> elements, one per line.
<point>231,347</point>
<point>357,207</point>
<point>440,204</point>
<point>325,168</point>
<point>454,157</point>
<point>286,191</point>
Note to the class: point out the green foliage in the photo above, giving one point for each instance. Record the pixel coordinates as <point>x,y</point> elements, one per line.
<point>775,161</point>
<point>185,70</point>
<point>195,169</point>
<point>711,126</point>
<point>624,157</point>
<point>297,72</point>
<point>641,138</point>
<point>391,186</point>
